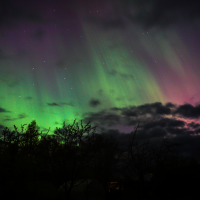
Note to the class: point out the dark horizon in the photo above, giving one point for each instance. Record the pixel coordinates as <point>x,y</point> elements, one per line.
<point>37,169</point>
<point>123,139</point>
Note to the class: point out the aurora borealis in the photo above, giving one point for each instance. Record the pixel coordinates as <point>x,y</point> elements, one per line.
<point>110,62</point>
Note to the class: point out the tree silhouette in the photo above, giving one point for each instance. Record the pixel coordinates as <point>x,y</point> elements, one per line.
<point>102,162</point>
<point>83,154</point>
<point>18,156</point>
<point>68,160</point>
<point>179,180</point>
<point>50,160</point>
<point>140,159</point>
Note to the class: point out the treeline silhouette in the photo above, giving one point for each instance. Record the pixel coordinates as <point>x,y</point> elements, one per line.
<point>84,154</point>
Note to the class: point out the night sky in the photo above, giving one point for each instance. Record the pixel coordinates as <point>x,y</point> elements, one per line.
<point>110,62</point>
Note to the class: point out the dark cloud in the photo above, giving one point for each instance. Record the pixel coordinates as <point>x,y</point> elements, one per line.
<point>60,104</point>
<point>176,123</point>
<point>132,122</point>
<point>176,131</point>
<point>114,72</point>
<point>197,130</point>
<point>188,110</point>
<point>116,109</point>
<point>112,119</point>
<point>94,102</point>
<point>157,119</point>
<point>193,125</point>
<point>153,128</point>
<point>131,115</point>
<point>53,104</point>
<point>146,109</point>
<point>128,112</point>
<point>2,110</point>
<point>159,123</point>
<point>164,122</point>
<point>162,110</point>
<point>170,105</point>
<point>102,118</point>
<point>156,132</point>
<point>28,98</point>
<point>20,116</point>
<point>154,108</point>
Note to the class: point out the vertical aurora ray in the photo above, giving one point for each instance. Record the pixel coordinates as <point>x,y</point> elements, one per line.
<point>119,71</point>
<point>174,66</point>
